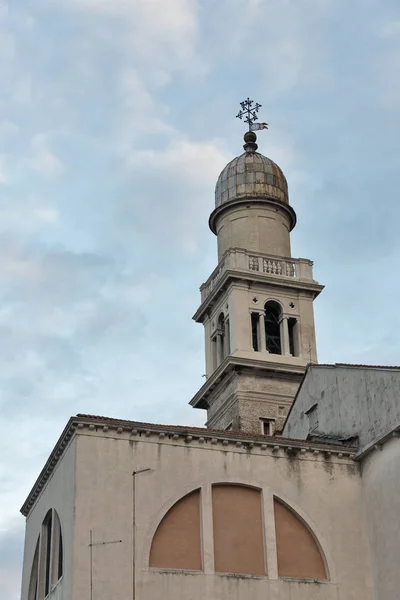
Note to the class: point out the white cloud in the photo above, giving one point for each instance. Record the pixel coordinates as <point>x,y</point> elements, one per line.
<point>14,265</point>
<point>389,29</point>
<point>161,28</point>
<point>8,129</point>
<point>140,112</point>
<point>43,159</point>
<point>197,163</point>
<point>3,176</point>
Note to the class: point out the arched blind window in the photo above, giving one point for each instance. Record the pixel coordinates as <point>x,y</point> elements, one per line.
<point>50,550</point>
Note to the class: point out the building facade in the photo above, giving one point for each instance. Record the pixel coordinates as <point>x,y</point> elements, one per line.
<point>128,510</point>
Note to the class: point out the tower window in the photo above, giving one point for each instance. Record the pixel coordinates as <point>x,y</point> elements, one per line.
<point>221,342</point>
<point>48,526</point>
<point>267,426</point>
<point>293,336</point>
<point>255,331</point>
<point>272,327</point>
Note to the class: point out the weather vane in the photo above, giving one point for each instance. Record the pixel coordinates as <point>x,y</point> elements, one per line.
<point>249,110</point>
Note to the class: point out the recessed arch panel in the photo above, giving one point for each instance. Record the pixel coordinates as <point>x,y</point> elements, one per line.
<point>238,530</point>
<point>176,542</point>
<point>33,582</point>
<point>298,552</point>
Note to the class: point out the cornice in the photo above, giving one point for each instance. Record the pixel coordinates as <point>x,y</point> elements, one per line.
<point>229,275</point>
<point>283,206</point>
<point>151,432</point>
<point>57,452</point>
<point>233,362</point>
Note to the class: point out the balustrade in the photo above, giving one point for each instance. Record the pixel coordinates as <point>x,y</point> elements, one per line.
<point>240,260</point>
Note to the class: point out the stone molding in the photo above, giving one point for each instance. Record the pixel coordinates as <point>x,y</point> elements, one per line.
<point>246,277</point>
<point>150,432</point>
<point>232,362</point>
<point>283,206</point>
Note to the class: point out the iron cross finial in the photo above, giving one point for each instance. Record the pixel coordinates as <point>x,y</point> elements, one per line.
<point>249,110</point>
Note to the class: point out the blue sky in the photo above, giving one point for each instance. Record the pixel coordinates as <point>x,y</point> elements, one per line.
<point>116,117</point>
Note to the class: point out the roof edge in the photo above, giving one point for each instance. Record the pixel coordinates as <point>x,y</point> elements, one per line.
<point>187,433</point>
<point>55,455</point>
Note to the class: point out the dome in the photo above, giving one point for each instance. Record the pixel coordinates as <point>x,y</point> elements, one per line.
<point>251,175</point>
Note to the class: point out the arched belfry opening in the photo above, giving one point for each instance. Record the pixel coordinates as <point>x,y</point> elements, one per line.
<point>221,340</point>
<point>272,319</point>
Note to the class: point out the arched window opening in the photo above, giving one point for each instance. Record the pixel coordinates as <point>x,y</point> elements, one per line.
<point>60,557</point>
<point>33,582</point>
<point>221,344</point>
<point>227,345</point>
<point>57,559</point>
<point>272,327</point>
<point>51,554</point>
<point>293,337</point>
<point>255,331</point>
<point>176,543</point>
<point>298,552</point>
<point>47,531</point>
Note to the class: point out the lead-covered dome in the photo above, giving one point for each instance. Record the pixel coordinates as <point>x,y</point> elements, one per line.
<point>251,175</point>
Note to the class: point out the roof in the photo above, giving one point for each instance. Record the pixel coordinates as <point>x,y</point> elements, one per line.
<point>251,175</point>
<point>357,366</point>
<point>188,434</point>
<point>336,366</point>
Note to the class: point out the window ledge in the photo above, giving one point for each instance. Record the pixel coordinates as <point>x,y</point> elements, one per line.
<point>240,575</point>
<point>176,571</point>
<point>304,580</point>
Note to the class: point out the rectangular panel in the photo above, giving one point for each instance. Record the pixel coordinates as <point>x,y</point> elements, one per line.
<point>238,530</point>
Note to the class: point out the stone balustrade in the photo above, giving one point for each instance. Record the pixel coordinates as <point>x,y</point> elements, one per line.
<point>242,260</point>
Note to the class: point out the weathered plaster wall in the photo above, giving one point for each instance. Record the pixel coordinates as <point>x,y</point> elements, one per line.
<point>325,492</point>
<point>256,227</point>
<point>104,505</point>
<point>351,401</point>
<point>381,486</point>
<point>58,493</point>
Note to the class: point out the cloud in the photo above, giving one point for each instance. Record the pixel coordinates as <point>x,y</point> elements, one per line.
<point>160,34</point>
<point>44,160</point>
<point>178,180</point>
<point>3,176</point>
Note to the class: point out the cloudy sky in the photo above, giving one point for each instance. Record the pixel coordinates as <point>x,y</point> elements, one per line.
<point>116,117</point>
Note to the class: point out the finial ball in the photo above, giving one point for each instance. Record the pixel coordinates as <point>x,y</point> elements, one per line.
<point>250,136</point>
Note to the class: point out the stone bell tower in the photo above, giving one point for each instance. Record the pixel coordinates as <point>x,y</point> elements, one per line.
<point>257,305</point>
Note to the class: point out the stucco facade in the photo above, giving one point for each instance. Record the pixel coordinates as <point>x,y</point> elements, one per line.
<point>321,485</point>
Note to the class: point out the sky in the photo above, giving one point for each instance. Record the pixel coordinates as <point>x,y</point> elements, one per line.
<point>116,117</point>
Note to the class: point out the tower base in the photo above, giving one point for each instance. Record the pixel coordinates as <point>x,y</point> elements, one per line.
<point>253,398</point>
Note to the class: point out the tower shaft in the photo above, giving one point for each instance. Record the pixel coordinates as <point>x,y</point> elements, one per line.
<point>257,305</point>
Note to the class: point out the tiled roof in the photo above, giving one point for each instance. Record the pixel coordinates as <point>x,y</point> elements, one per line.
<point>202,430</point>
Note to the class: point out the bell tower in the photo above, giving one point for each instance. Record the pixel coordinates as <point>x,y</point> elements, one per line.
<point>257,305</point>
